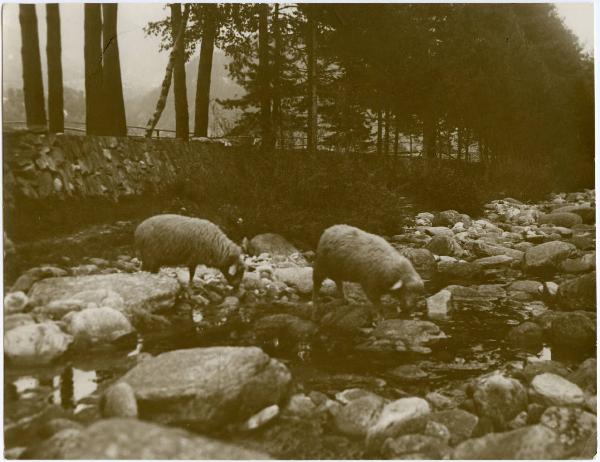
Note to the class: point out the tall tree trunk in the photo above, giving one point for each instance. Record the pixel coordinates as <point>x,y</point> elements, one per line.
<point>312,84</point>
<point>410,138</point>
<point>429,135</point>
<point>209,32</point>
<point>467,142</point>
<point>264,77</point>
<point>94,101</point>
<point>164,91</point>
<point>459,142</point>
<point>396,134</point>
<point>33,88</point>
<point>182,120</point>
<point>115,122</point>
<point>388,127</point>
<point>277,126</point>
<point>55,78</point>
<point>379,131</point>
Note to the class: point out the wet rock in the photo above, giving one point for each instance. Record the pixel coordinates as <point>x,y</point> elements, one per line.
<point>94,298</point>
<point>33,344</point>
<point>573,330</point>
<point>298,278</point>
<point>495,261</point>
<point>547,256</point>
<point>97,325</point>
<point>261,418</point>
<point>402,335</point>
<point>553,390</point>
<point>444,245</point>
<point>414,447</point>
<point>565,219</point>
<point>574,425</point>
<point>578,293</point>
<point>134,439</point>
<point>271,243</point>
<point>15,302</point>
<point>581,264</point>
<point>408,373</point>
<point>526,335</point>
<point>355,418</point>
<point>533,442</point>
<point>499,398</point>
<point>285,327</point>
<point>585,375</point>
<point>439,305</point>
<point>422,260</point>
<point>13,321</point>
<point>119,401</point>
<point>33,275</point>
<point>351,394</point>
<point>139,291</point>
<point>540,366</point>
<point>404,415</point>
<point>347,319</point>
<point>207,387</point>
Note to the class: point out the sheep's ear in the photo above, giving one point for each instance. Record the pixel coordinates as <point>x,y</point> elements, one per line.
<point>397,285</point>
<point>232,269</point>
<point>245,245</point>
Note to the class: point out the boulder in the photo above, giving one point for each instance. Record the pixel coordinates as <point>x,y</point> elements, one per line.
<point>422,260</point>
<point>583,264</point>
<point>355,418</point>
<point>346,318</point>
<point>97,325</point>
<point>15,302</point>
<point>459,271</point>
<point>499,398</point>
<point>271,243</point>
<point>120,439</point>
<point>439,305</point>
<point>587,214</point>
<point>553,390</point>
<point>585,375</point>
<point>484,249</point>
<point>495,261</point>
<point>537,366</point>
<point>300,278</point>
<point>566,219</point>
<point>524,290</point>
<point>415,447</point>
<point>139,291</point>
<point>207,388</point>
<point>547,256</point>
<point>574,425</point>
<point>526,335</point>
<point>573,331</point>
<point>33,275</point>
<point>444,245</point>
<point>436,230</point>
<point>285,327</point>
<point>34,344</point>
<point>461,424</point>
<point>13,321</point>
<point>119,401</point>
<point>393,335</point>
<point>578,293</point>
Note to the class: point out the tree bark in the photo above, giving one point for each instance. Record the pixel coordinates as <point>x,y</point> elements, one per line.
<point>55,78</point>
<point>277,128</point>
<point>264,78</point>
<point>209,33</point>
<point>312,84</point>
<point>115,121</point>
<point>164,91</point>
<point>386,148</point>
<point>182,120</point>
<point>33,88</point>
<point>94,104</point>
<point>396,134</point>
<point>429,135</point>
<point>379,131</point>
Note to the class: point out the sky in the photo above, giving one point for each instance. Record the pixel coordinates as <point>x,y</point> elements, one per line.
<point>141,64</point>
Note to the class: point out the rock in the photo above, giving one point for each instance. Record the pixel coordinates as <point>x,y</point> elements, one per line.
<point>439,305</point>
<point>495,261</point>
<point>34,344</point>
<point>119,401</point>
<point>15,302</point>
<point>459,271</point>
<point>414,447</point>
<point>539,366</point>
<point>97,325</point>
<point>578,293</point>
<point>574,426</point>
<point>422,260</point>
<point>57,309</point>
<point>346,318</point>
<point>300,405</point>
<point>139,291</point>
<point>84,270</point>
<point>436,230</point>
<point>553,390</point>
<point>402,335</point>
<point>355,418</point>
<point>437,430</point>
<point>565,219</point>
<point>53,426</point>
<point>587,214</point>
<point>13,321</point>
<point>408,373</point>
<point>547,256</point>
<point>499,398</point>
<point>207,387</point>
<point>446,218</point>
<point>135,439</point>
<point>298,278</point>
<point>484,249</point>
<point>533,442</point>
<point>33,275</point>
<point>583,242</point>
<point>524,290</point>
<point>271,243</point>
<point>526,335</point>
<point>461,424</point>
<point>581,264</point>
<point>351,394</point>
<point>424,219</point>
<point>285,327</point>
<point>585,375</point>
<point>261,418</point>
<point>400,416</point>
<point>574,331</point>
<point>444,245</point>
<point>440,401</point>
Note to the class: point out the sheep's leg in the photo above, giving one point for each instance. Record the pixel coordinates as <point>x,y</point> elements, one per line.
<point>375,298</point>
<point>192,269</point>
<point>339,290</point>
<point>317,281</point>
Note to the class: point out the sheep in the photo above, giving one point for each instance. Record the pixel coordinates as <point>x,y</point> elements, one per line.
<point>173,240</point>
<point>346,253</point>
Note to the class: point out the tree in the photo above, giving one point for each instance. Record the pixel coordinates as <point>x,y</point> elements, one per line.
<point>115,122</point>
<point>264,77</point>
<point>33,89</point>
<point>182,123</point>
<point>55,77</point>
<point>311,81</point>
<point>94,99</point>
<point>164,91</point>
<point>209,32</point>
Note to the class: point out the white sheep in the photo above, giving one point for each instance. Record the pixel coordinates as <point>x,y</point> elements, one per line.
<point>346,253</point>
<point>175,240</point>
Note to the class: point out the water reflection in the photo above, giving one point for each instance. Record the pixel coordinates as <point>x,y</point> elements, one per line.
<point>73,385</point>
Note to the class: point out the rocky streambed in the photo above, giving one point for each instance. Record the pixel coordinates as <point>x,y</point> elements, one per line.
<point>105,361</point>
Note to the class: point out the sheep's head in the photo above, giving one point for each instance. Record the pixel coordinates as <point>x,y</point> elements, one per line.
<point>409,292</point>
<point>235,272</point>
